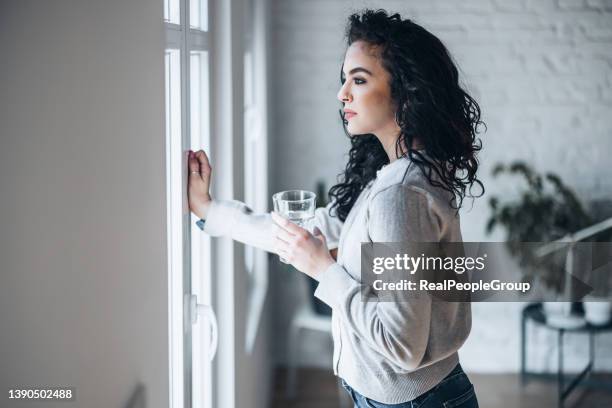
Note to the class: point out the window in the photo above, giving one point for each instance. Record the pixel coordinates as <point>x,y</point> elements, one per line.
<point>189,264</point>
<point>215,100</point>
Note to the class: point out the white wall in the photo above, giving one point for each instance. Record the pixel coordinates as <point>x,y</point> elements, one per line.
<point>542,73</point>
<point>83,290</point>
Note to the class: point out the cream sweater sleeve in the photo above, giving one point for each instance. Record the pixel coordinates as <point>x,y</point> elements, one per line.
<point>234,219</point>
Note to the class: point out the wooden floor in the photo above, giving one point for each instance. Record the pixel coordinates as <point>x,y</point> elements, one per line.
<point>318,388</point>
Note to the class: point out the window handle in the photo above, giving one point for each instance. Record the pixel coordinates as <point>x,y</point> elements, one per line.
<point>200,311</point>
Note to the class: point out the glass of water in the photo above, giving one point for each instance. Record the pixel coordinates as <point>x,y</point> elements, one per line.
<point>298,206</point>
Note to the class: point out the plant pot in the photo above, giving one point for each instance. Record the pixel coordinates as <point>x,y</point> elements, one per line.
<point>559,314</point>
<point>556,308</point>
<point>597,310</point>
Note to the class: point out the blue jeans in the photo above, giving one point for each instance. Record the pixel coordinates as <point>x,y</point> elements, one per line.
<point>455,390</point>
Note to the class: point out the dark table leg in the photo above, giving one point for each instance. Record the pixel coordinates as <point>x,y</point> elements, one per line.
<point>523,349</point>
<point>591,349</point>
<point>560,368</point>
<point>563,391</point>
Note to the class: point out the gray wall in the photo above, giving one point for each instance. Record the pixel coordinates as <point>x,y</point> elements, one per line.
<point>83,266</point>
<point>542,73</point>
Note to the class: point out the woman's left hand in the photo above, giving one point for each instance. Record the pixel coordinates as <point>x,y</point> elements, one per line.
<point>306,252</point>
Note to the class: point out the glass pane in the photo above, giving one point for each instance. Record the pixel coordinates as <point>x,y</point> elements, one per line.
<point>201,243</point>
<point>200,103</point>
<point>172,11</point>
<point>198,14</point>
<point>174,156</point>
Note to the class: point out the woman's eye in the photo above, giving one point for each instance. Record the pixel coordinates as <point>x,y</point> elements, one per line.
<point>359,81</point>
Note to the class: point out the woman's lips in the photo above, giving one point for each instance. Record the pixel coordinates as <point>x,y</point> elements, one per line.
<point>349,115</point>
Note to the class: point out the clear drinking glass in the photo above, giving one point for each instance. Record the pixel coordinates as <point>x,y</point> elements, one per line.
<point>298,206</point>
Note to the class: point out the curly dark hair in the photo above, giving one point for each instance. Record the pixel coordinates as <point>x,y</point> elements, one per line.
<point>432,107</point>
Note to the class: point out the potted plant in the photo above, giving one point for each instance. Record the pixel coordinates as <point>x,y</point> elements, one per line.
<point>546,210</point>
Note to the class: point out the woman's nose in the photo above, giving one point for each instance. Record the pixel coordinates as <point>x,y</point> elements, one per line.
<point>343,94</point>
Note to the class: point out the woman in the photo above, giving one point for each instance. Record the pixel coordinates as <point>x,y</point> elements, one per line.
<point>413,145</point>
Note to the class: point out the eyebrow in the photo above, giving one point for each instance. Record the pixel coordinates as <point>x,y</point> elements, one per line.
<point>359,69</point>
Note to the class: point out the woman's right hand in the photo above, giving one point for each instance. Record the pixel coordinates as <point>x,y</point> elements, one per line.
<point>198,191</point>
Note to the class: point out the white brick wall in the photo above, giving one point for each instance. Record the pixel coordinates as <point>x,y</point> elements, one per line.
<point>541,71</point>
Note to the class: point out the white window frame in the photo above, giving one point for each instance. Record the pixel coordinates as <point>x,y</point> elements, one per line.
<point>189,260</point>
<point>224,259</point>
